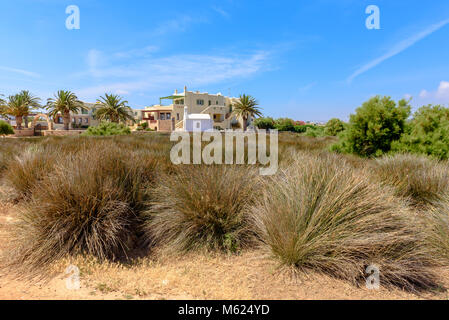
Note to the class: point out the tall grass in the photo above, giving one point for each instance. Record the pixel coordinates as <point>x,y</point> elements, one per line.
<point>27,169</point>
<point>322,215</point>
<point>89,203</point>
<point>202,207</point>
<point>422,180</point>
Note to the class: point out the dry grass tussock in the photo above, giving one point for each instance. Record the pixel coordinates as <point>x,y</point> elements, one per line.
<point>322,214</point>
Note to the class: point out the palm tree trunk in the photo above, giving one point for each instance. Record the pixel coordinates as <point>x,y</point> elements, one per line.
<point>66,120</point>
<point>19,122</point>
<point>245,123</point>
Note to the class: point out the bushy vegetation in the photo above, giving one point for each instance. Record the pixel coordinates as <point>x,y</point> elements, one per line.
<point>416,178</point>
<point>108,129</point>
<point>323,215</point>
<point>264,123</point>
<point>107,196</point>
<point>202,207</point>
<point>428,133</point>
<point>374,127</point>
<point>5,128</point>
<point>334,127</point>
<point>89,203</point>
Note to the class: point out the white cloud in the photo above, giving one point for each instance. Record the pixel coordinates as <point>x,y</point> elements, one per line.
<point>398,48</point>
<point>423,94</point>
<point>176,25</point>
<point>438,96</point>
<point>151,73</point>
<point>20,71</point>
<point>221,11</point>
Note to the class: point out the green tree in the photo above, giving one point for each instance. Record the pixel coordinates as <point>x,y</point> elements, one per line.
<point>428,133</point>
<point>285,124</point>
<point>108,129</point>
<point>113,108</point>
<point>31,101</point>
<point>264,123</point>
<point>17,107</point>
<point>246,107</point>
<point>64,103</point>
<point>334,127</point>
<point>5,128</point>
<point>374,127</point>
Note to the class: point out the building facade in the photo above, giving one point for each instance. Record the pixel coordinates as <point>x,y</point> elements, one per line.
<point>171,117</point>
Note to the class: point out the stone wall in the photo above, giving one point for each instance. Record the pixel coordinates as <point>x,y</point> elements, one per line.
<point>26,132</point>
<point>60,133</point>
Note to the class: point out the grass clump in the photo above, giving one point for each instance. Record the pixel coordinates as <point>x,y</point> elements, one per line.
<point>26,170</point>
<point>323,215</point>
<point>89,204</point>
<point>420,179</point>
<point>202,207</point>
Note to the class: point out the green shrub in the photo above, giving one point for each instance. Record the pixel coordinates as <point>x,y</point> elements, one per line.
<point>376,125</point>
<point>5,128</point>
<point>264,123</point>
<point>284,124</point>
<point>428,133</point>
<point>334,127</point>
<point>108,129</point>
<point>202,207</point>
<point>320,214</point>
<point>300,128</point>
<point>422,180</point>
<point>315,131</point>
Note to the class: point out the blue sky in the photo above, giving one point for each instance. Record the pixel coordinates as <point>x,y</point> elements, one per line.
<point>308,60</point>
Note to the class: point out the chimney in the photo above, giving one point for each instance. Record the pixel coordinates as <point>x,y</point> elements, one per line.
<point>185,88</point>
<point>176,91</point>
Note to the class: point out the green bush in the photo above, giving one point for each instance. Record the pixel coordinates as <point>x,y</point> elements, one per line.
<point>108,129</point>
<point>374,127</point>
<point>321,214</point>
<point>284,124</point>
<point>5,128</point>
<point>428,133</point>
<point>315,131</point>
<point>264,123</point>
<point>300,128</point>
<point>334,127</point>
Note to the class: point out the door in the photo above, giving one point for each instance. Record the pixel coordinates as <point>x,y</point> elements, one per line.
<point>196,126</point>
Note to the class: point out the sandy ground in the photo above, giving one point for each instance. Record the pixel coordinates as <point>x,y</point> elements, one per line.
<point>251,275</point>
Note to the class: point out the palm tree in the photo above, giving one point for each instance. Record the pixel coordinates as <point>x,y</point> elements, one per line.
<point>17,107</point>
<point>31,101</point>
<point>246,107</point>
<point>111,107</point>
<point>64,103</point>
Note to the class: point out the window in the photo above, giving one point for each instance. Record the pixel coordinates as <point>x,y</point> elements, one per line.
<point>200,102</point>
<point>162,116</point>
<point>217,103</point>
<point>86,120</point>
<point>177,116</point>
<point>210,102</point>
<point>168,116</point>
<point>198,125</point>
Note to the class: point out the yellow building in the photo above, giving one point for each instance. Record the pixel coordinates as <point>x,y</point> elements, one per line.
<point>170,117</point>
